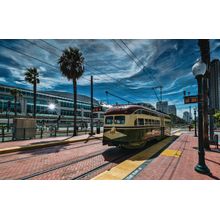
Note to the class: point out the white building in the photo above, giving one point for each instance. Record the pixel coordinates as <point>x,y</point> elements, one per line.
<point>186,116</point>
<point>172,109</point>
<point>162,106</point>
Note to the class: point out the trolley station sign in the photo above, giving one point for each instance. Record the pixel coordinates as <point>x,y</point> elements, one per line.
<point>190,99</point>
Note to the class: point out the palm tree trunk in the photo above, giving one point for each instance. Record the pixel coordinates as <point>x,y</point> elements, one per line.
<point>35,97</point>
<point>75,106</point>
<point>15,105</point>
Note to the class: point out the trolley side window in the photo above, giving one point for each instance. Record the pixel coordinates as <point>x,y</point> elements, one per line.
<point>139,121</point>
<point>119,119</point>
<point>109,120</point>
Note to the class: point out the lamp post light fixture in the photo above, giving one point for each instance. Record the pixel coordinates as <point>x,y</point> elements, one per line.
<point>195,122</point>
<point>52,106</point>
<point>199,69</point>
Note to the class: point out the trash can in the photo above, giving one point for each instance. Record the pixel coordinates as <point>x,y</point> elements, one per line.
<point>98,130</point>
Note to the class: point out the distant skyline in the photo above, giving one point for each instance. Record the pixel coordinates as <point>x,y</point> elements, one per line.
<point>114,64</point>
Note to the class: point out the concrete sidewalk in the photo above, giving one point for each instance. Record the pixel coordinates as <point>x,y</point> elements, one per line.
<point>12,146</point>
<point>178,161</point>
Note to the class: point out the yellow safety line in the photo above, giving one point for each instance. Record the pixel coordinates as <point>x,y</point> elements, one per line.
<point>123,169</point>
<point>171,153</point>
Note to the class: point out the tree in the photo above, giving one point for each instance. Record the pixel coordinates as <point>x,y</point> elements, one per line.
<point>72,67</point>
<point>217,118</point>
<point>32,77</point>
<point>16,93</point>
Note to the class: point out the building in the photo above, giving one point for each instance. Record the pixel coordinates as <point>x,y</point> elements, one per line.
<point>172,109</point>
<point>62,102</point>
<point>186,116</point>
<point>162,106</point>
<point>215,84</point>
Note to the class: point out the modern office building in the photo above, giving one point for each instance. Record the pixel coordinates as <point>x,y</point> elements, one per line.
<point>62,103</point>
<point>215,84</point>
<point>172,109</point>
<point>162,106</point>
<point>186,116</point>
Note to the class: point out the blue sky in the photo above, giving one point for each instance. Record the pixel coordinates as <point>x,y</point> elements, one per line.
<point>115,69</point>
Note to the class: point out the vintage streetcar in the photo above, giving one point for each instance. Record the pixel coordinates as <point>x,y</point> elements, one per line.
<point>132,126</point>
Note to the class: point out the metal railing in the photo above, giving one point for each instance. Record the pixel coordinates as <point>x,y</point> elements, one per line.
<point>13,134</point>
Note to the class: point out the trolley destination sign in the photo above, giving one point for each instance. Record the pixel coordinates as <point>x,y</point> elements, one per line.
<point>190,99</point>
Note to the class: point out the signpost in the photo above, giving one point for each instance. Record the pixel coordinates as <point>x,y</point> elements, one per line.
<point>190,99</point>
<point>97,109</point>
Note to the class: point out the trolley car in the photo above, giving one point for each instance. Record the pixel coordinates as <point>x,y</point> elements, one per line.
<point>131,126</point>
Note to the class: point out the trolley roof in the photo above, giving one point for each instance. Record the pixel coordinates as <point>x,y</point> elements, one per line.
<point>129,109</point>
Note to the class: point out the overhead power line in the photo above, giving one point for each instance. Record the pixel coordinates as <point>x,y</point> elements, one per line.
<point>143,65</point>
<point>92,68</point>
<point>56,67</point>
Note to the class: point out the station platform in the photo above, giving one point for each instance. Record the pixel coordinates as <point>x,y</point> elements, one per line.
<point>176,162</point>
<point>13,146</point>
<point>179,160</point>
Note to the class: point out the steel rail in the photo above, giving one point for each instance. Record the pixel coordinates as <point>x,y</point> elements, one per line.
<point>61,165</point>
<point>122,157</point>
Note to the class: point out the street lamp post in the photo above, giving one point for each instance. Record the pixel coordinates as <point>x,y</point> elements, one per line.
<point>199,70</point>
<point>195,122</point>
<point>8,115</point>
<point>53,107</point>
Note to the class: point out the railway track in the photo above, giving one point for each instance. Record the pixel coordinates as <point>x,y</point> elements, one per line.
<point>116,156</point>
<point>61,165</point>
<point>42,151</point>
<point>75,161</point>
<point>115,160</point>
<point>88,173</point>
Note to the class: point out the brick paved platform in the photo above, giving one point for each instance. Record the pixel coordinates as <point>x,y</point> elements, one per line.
<point>27,144</point>
<point>178,162</point>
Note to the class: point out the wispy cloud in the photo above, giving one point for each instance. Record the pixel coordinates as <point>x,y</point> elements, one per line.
<point>166,62</point>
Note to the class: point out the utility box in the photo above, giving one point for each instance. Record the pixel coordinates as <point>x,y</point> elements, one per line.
<point>24,128</point>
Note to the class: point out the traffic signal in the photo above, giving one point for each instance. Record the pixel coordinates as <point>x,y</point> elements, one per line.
<point>97,109</point>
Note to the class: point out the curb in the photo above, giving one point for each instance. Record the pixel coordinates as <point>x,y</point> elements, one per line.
<point>38,146</point>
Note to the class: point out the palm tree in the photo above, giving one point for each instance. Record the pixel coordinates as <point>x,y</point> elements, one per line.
<point>71,66</point>
<point>32,77</point>
<point>16,93</point>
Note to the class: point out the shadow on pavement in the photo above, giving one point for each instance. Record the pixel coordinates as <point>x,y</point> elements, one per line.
<point>92,136</point>
<point>213,177</point>
<point>45,150</point>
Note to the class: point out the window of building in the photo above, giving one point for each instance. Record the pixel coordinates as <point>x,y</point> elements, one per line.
<point>95,115</point>
<point>119,120</point>
<point>87,114</point>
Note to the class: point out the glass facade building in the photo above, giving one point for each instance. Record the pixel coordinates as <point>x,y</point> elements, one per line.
<point>62,101</point>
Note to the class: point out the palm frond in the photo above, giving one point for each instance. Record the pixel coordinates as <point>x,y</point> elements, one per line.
<point>71,63</point>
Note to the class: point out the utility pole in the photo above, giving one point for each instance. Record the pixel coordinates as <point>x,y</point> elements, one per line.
<point>195,122</point>
<point>190,115</point>
<point>8,115</point>
<point>205,56</point>
<point>91,117</point>
<point>161,93</point>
